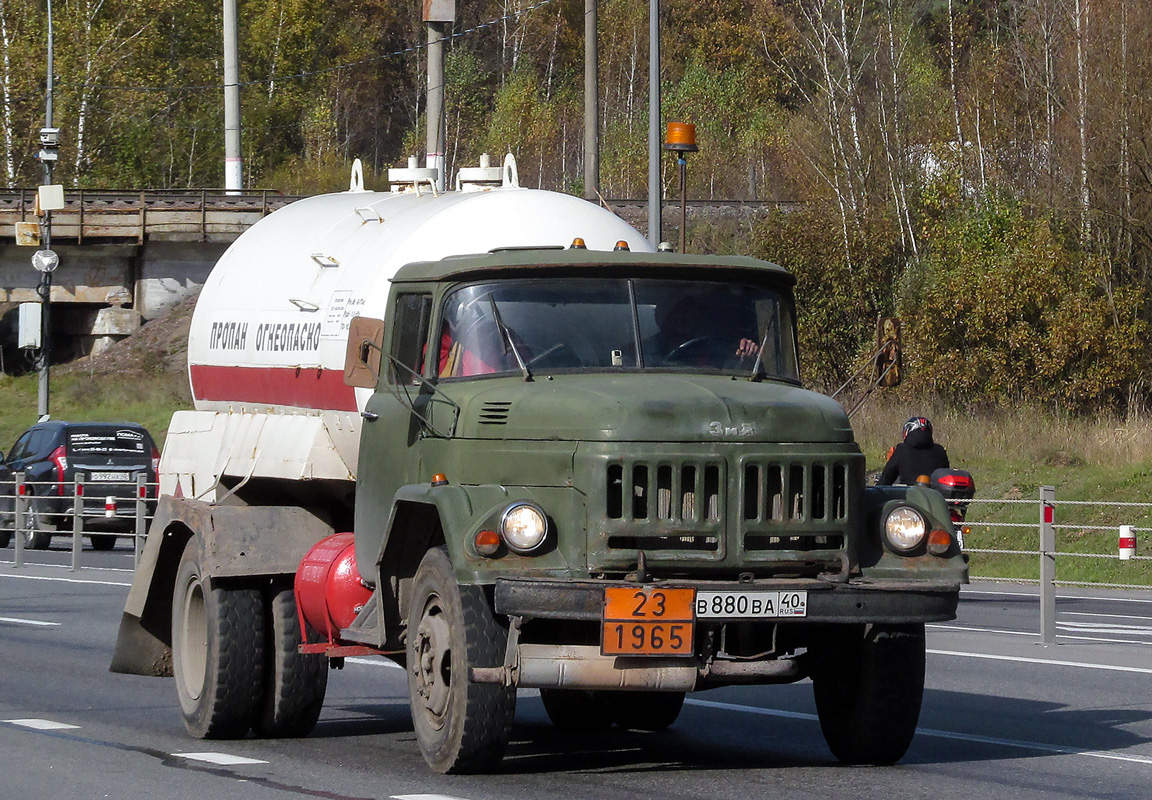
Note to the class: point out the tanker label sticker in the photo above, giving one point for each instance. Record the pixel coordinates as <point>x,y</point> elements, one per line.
<point>228,336</point>
<point>342,307</point>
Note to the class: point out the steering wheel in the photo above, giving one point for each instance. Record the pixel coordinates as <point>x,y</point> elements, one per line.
<point>681,350</point>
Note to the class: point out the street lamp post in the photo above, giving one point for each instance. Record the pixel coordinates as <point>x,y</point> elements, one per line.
<point>44,259</point>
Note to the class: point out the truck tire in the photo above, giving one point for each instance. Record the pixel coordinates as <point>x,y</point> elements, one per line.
<point>294,683</point>
<point>868,688</point>
<point>461,726</point>
<point>577,709</point>
<point>646,711</point>
<point>217,651</point>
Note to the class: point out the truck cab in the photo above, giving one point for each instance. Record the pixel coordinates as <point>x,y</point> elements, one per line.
<point>595,473</point>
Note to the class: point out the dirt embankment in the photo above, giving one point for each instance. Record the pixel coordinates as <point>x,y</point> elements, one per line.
<point>159,346</point>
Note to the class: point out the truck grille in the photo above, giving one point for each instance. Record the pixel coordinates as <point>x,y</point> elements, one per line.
<point>788,510</point>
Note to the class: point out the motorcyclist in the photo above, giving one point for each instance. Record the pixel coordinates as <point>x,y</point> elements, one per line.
<point>917,455</point>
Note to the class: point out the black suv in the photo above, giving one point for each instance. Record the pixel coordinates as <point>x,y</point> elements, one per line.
<point>106,457</point>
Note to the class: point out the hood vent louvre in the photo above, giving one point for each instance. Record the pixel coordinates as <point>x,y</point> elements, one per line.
<point>495,412</point>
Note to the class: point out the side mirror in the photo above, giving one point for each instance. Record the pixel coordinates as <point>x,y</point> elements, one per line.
<point>889,366</point>
<point>365,351</point>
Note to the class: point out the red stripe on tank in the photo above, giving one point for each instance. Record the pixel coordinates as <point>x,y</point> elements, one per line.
<point>300,387</point>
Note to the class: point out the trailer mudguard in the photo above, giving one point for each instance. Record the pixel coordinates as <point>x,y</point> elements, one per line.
<point>237,542</point>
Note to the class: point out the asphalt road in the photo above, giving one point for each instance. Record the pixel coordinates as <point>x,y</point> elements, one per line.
<point>1004,717</point>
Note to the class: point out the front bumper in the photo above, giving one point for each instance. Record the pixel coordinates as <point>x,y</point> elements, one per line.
<point>896,602</point>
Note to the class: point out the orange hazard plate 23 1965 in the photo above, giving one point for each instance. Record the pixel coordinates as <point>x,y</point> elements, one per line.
<point>647,621</point>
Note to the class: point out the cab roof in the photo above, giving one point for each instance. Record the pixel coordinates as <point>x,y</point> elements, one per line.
<point>515,261</point>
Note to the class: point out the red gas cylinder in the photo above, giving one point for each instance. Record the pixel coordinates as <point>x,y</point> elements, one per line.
<point>328,585</point>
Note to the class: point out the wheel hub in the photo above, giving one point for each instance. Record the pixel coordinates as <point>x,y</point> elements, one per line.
<point>432,665</point>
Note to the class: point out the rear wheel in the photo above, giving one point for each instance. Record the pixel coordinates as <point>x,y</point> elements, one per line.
<point>217,651</point>
<point>294,682</point>
<point>36,533</point>
<point>102,541</point>
<point>645,711</point>
<point>577,709</point>
<point>868,684</point>
<point>461,726</point>
<point>5,538</point>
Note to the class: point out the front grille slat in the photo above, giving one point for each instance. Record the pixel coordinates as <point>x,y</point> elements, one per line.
<point>788,509</point>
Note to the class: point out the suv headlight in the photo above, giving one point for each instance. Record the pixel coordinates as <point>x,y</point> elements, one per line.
<point>905,529</point>
<point>523,527</point>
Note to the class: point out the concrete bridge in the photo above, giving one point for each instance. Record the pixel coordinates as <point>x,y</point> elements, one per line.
<point>125,256</point>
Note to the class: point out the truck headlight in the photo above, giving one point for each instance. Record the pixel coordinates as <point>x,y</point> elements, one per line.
<point>905,529</point>
<point>523,527</point>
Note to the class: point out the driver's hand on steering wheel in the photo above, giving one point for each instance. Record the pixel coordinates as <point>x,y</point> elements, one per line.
<point>746,348</point>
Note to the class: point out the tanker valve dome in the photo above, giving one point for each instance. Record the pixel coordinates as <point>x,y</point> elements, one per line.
<point>481,178</point>
<point>409,179</point>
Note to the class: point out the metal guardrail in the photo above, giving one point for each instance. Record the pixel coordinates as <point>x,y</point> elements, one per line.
<point>1047,553</point>
<point>21,517</point>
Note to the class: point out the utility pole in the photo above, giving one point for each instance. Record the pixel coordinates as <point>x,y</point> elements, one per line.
<point>233,163</point>
<point>654,192</point>
<point>44,260</point>
<point>438,15</point>
<point>591,103</point>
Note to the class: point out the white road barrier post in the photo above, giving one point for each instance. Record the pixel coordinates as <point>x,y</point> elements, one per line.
<point>1047,566</point>
<point>1127,542</point>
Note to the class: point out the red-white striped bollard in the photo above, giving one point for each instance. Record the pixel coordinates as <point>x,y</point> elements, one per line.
<point>109,506</point>
<point>1127,542</point>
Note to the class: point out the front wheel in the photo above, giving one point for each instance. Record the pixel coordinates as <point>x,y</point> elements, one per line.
<point>868,685</point>
<point>217,651</point>
<point>461,726</point>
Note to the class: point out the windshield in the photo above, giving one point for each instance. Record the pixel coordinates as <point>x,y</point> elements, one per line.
<point>552,325</point>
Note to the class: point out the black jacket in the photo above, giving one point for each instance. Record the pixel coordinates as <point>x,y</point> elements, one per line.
<point>917,455</point>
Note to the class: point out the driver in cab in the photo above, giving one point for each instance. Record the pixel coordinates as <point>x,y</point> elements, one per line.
<point>696,331</point>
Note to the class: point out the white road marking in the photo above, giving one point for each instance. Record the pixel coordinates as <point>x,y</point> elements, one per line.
<point>1030,634</point>
<point>1036,596</point>
<point>1050,661</point>
<point>63,580</point>
<point>964,737</point>
<point>423,797</point>
<point>36,622</point>
<point>221,759</point>
<point>41,724</point>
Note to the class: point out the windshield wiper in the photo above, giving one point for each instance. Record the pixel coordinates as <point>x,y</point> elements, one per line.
<point>506,336</point>
<point>757,373</point>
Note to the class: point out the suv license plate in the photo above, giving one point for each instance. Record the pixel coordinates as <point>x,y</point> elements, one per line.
<point>647,621</point>
<point>751,605</point>
<point>108,477</point>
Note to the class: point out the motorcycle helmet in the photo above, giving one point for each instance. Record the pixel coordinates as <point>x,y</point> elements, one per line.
<point>915,424</point>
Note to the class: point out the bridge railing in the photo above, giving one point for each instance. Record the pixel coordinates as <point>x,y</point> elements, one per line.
<point>207,214</point>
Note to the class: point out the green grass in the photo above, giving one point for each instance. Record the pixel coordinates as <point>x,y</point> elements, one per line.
<point>148,399</point>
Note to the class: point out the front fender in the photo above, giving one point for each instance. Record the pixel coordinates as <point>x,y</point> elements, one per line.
<point>877,561</point>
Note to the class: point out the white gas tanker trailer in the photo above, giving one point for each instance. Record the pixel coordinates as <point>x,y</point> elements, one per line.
<point>491,435</point>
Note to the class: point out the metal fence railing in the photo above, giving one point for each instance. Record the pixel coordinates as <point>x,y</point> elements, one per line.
<point>1112,520</point>
<point>32,514</point>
